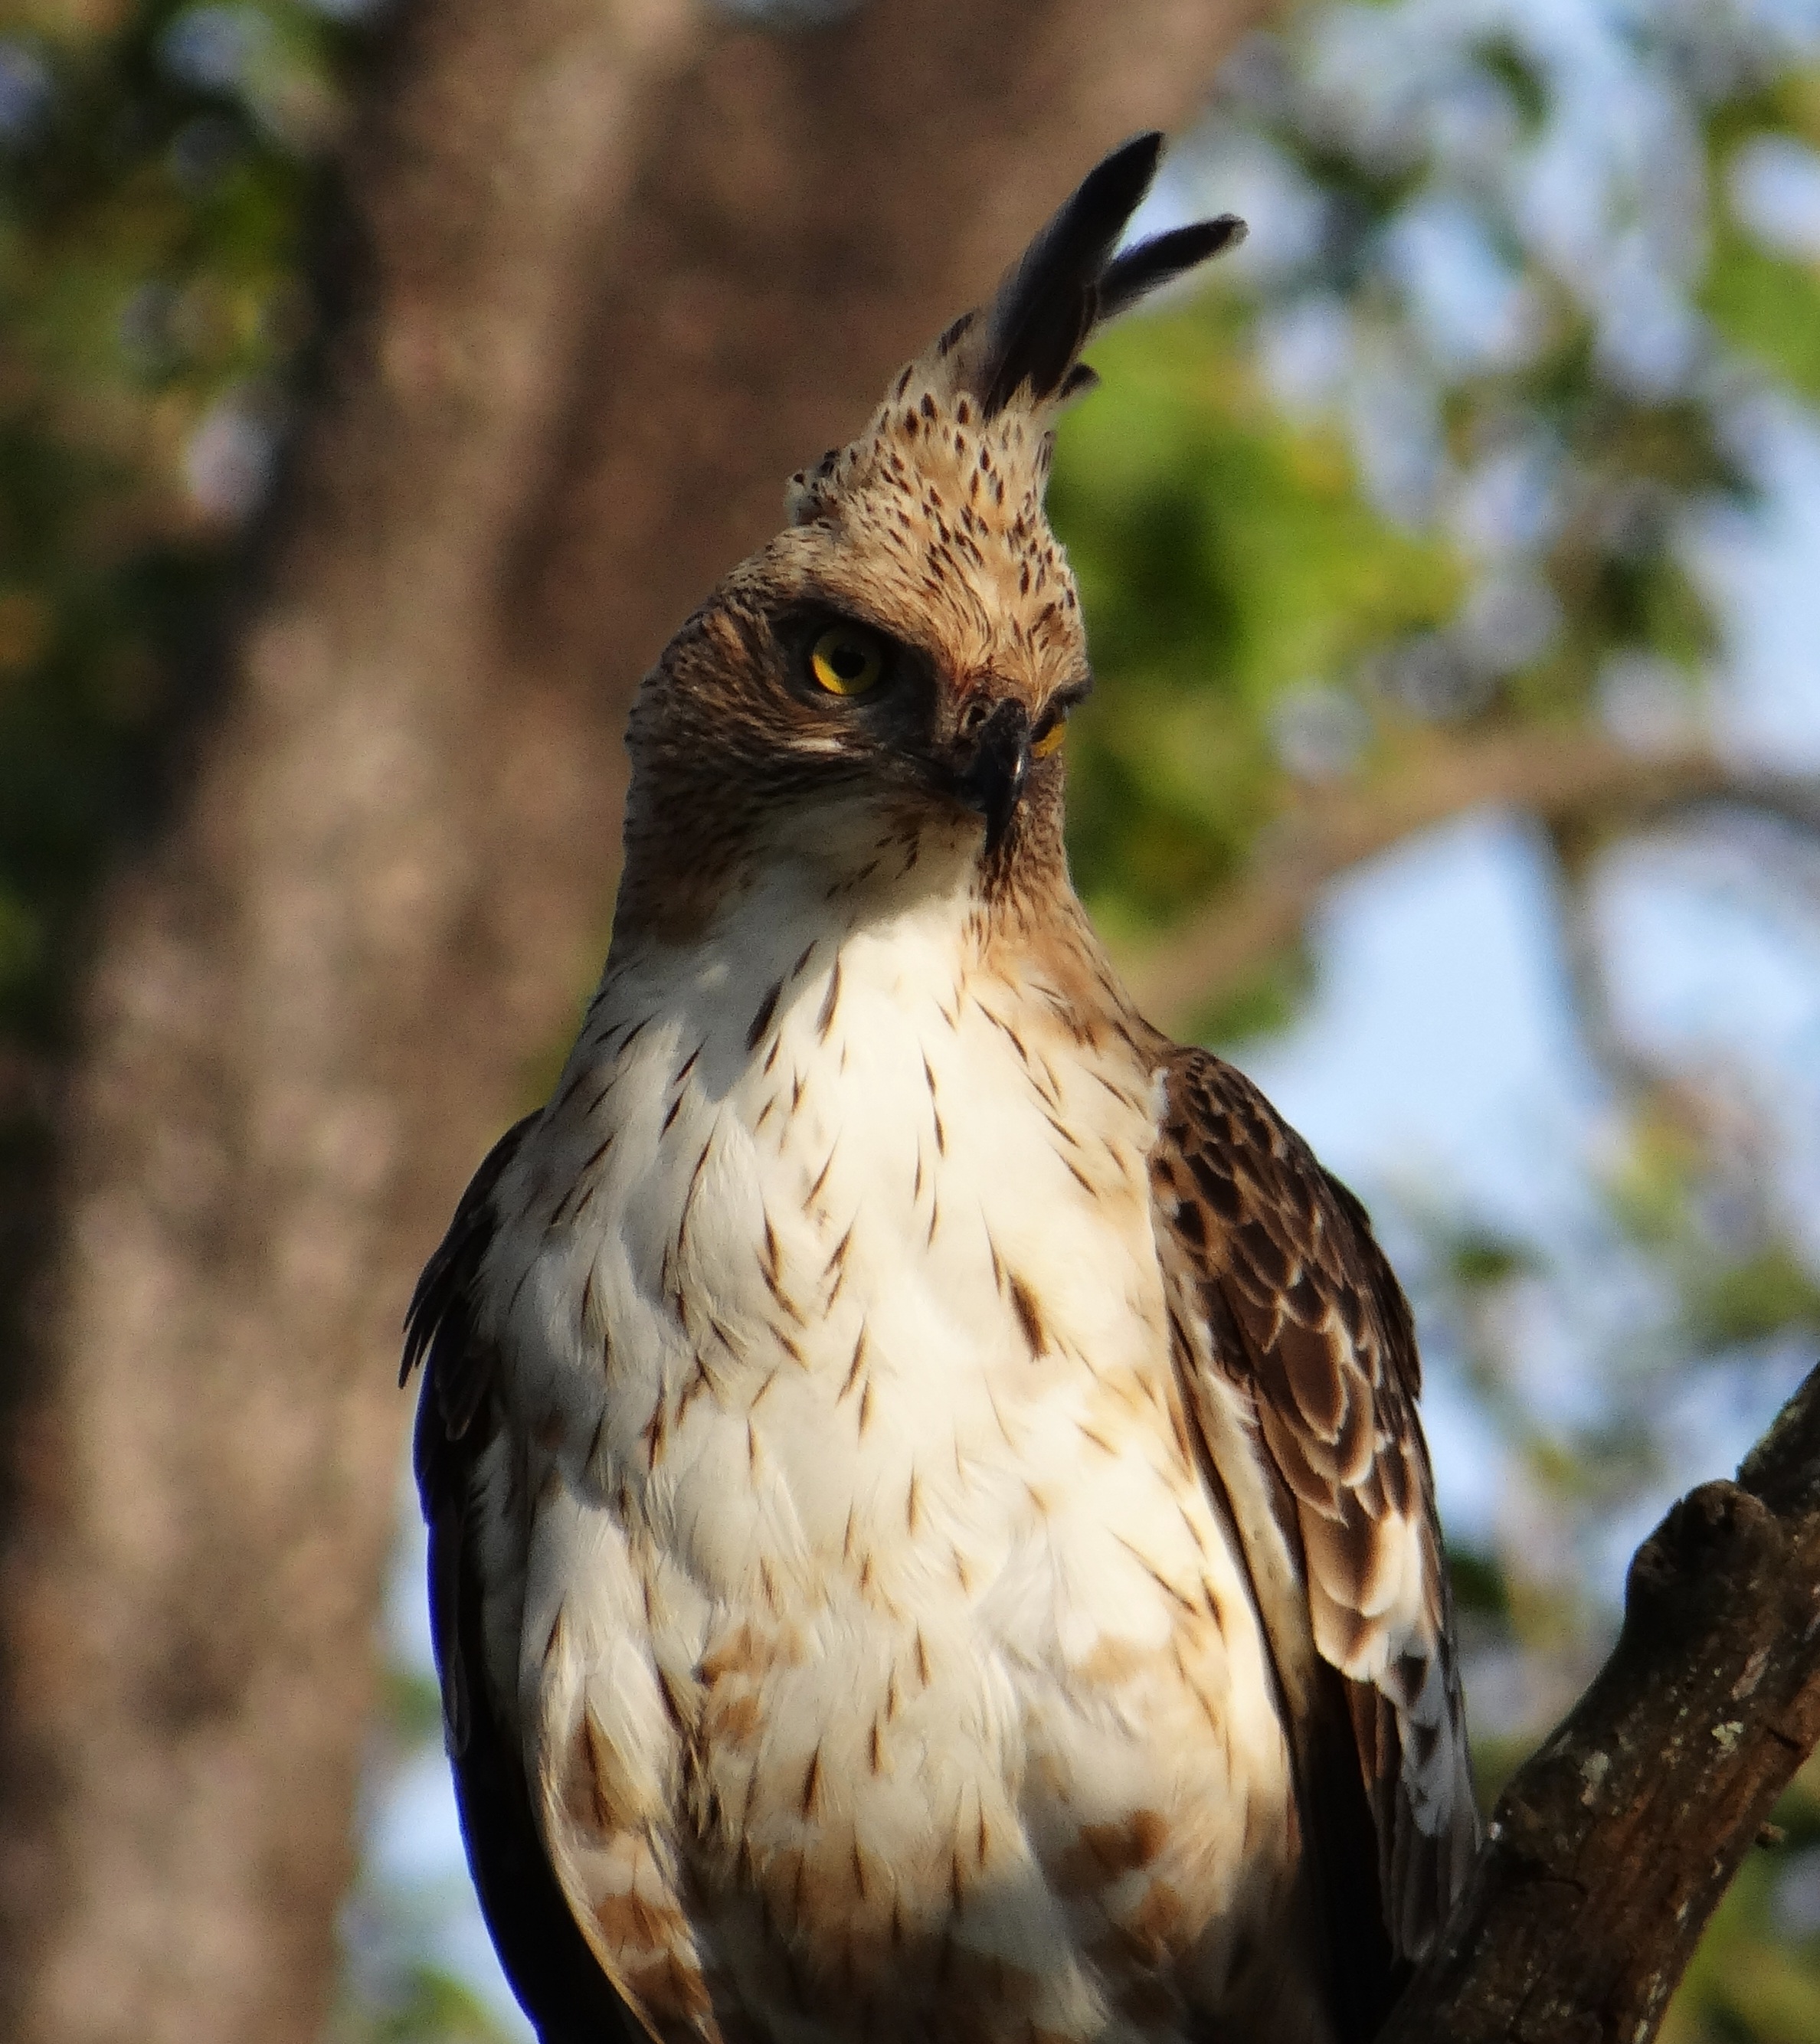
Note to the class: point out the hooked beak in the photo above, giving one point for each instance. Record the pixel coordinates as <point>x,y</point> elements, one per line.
<point>991,780</point>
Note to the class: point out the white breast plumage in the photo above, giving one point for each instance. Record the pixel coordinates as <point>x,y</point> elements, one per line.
<point>868,1563</point>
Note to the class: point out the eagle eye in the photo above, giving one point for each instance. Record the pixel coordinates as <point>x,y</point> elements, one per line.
<point>1051,728</point>
<point>847,660</point>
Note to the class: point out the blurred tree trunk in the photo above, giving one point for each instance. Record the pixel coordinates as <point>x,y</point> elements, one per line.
<point>623,266</point>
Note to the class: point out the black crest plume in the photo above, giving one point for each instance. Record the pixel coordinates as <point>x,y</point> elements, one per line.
<point>1068,282</point>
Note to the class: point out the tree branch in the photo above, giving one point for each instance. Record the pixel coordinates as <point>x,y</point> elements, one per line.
<point>1615,1843</point>
<point>1574,777</point>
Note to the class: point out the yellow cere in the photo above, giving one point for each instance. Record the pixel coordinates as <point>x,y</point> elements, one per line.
<point>846,661</point>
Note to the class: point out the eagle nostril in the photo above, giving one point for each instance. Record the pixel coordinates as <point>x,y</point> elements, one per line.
<point>976,710</point>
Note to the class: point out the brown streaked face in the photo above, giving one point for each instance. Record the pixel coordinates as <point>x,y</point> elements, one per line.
<point>910,648</point>
<point>900,664</point>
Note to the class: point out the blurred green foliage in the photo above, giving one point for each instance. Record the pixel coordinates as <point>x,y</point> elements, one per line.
<point>1765,305</point>
<point>1417,470</point>
<point>1224,556</point>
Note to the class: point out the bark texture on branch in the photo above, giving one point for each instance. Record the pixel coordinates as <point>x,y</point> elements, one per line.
<point>1611,1847</point>
<point>624,267</point>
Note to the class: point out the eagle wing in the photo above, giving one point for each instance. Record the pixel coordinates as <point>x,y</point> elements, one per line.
<point>1297,1357</point>
<point>553,1971</point>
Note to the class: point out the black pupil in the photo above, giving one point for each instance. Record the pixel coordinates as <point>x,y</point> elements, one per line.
<point>847,660</point>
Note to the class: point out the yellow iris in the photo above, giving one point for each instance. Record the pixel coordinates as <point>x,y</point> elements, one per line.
<point>1051,740</point>
<point>847,661</point>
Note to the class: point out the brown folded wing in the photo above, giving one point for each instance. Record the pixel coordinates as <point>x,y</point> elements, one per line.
<point>1298,1361</point>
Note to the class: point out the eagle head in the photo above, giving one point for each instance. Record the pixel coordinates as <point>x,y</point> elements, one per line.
<point>894,671</point>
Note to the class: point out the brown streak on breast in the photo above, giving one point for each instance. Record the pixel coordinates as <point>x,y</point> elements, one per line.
<point>935,1109</point>
<point>1186,1603</point>
<point>699,1382</point>
<point>830,1000</point>
<point>1005,1028</point>
<point>655,1433</point>
<point>768,1269</point>
<point>761,1020</point>
<point>583,1177</point>
<point>1029,1315</point>
<point>854,1367</point>
<point>810,1801</point>
<point>837,1262</point>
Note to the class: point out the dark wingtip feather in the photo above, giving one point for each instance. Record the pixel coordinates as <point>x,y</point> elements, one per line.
<point>1068,281</point>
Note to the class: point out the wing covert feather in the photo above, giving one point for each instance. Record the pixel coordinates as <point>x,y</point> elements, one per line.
<point>1294,1338</point>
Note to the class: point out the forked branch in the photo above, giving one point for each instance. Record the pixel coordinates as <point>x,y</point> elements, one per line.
<point>1615,1843</point>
